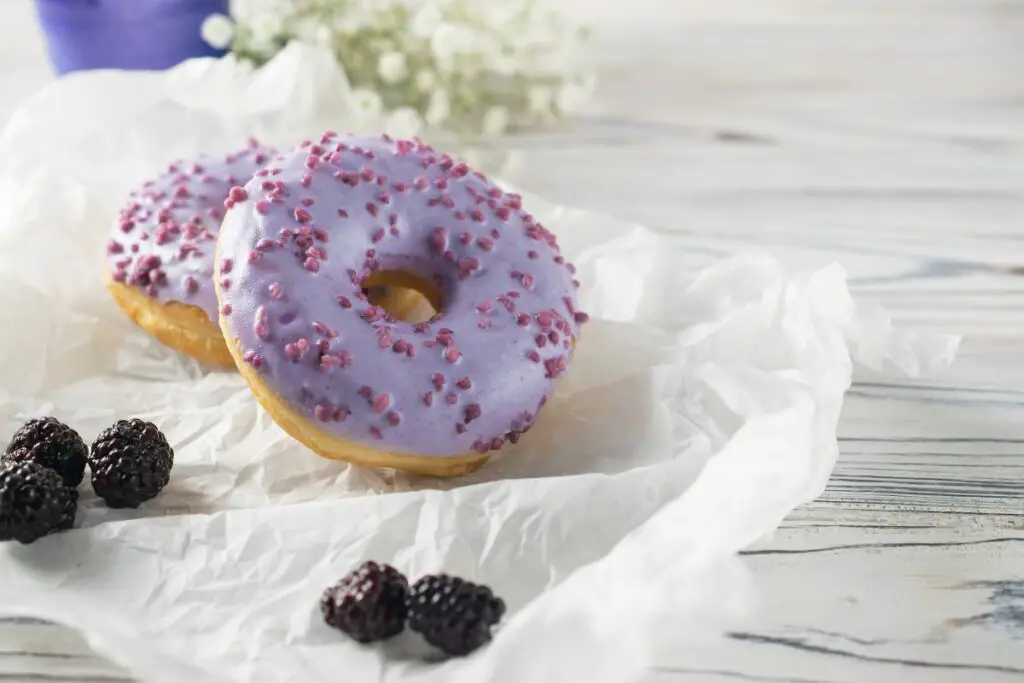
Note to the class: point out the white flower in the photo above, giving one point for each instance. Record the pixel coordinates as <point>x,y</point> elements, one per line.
<point>426,80</point>
<point>495,121</point>
<point>427,20</point>
<point>571,98</point>
<point>540,99</point>
<point>314,32</point>
<point>367,103</point>
<point>403,123</point>
<point>449,42</point>
<point>391,67</point>
<point>265,27</point>
<point>218,31</point>
<point>439,109</point>
<point>348,23</point>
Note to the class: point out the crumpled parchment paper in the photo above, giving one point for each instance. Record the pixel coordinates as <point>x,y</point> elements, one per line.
<point>701,408</point>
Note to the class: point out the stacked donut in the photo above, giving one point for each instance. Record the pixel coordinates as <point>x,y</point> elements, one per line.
<point>283,253</point>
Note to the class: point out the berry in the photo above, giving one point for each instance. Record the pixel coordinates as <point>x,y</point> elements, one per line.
<point>53,444</point>
<point>368,603</point>
<point>34,502</point>
<point>452,614</point>
<point>131,463</point>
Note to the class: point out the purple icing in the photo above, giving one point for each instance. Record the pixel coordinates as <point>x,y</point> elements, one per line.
<point>328,215</point>
<point>164,238</point>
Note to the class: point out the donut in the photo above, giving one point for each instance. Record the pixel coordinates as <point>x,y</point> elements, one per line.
<point>161,250</point>
<point>346,377</point>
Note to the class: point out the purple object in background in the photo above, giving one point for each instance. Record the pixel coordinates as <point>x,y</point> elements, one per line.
<point>125,34</point>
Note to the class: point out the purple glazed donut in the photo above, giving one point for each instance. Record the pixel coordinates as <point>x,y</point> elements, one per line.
<point>161,250</point>
<point>346,377</point>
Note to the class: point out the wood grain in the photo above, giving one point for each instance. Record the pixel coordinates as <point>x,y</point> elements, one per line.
<point>887,135</point>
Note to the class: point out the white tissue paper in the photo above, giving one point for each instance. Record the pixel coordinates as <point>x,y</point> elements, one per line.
<point>700,410</point>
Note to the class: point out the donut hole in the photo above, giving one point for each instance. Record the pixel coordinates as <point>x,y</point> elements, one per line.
<point>405,295</point>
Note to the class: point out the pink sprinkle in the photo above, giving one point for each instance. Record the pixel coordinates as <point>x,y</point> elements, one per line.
<point>394,419</point>
<point>238,194</point>
<point>533,254</point>
<point>438,239</point>
<point>365,392</point>
<point>473,411</point>
<point>345,358</point>
<point>311,264</point>
<point>437,379</point>
<point>466,238</point>
<point>191,284</point>
<point>377,235</point>
<point>312,161</point>
<point>545,319</point>
<point>323,412</point>
<point>533,355</point>
<point>292,351</point>
<point>464,383</point>
<point>452,355</point>
<point>581,317</point>
<point>380,403</point>
<point>263,207</point>
<point>460,428</point>
<point>344,302</point>
<point>527,281</point>
<point>303,216</point>
<point>275,290</point>
<point>225,265</point>
<point>522,319</point>
<point>484,306</point>
<point>485,243</point>
<point>225,309</point>
<point>476,215</point>
<point>451,399</point>
<point>376,433</point>
<point>371,208</point>
<point>428,399</point>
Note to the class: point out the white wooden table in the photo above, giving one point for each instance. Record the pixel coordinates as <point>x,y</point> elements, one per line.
<point>887,134</point>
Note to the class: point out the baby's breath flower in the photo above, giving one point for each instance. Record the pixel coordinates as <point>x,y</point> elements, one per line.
<point>439,108</point>
<point>367,103</point>
<point>403,123</point>
<point>391,67</point>
<point>426,80</point>
<point>218,30</point>
<point>427,20</point>
<point>470,66</point>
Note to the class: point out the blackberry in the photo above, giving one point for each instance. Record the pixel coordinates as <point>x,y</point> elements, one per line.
<point>53,444</point>
<point>34,502</point>
<point>452,614</point>
<point>130,462</point>
<point>368,603</point>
